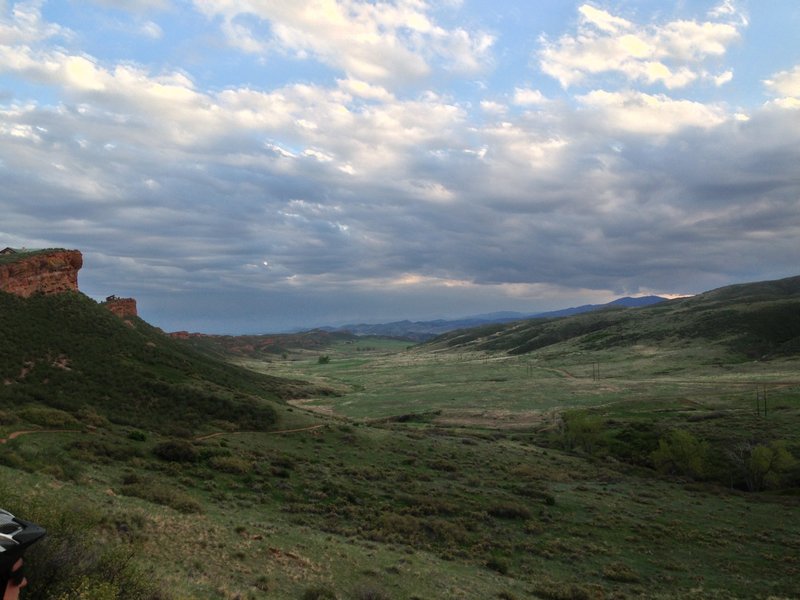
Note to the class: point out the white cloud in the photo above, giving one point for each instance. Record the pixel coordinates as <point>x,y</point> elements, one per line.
<point>25,25</point>
<point>603,20</point>
<point>671,53</point>
<point>529,97</point>
<point>790,103</point>
<point>785,83</point>
<point>723,78</point>
<point>640,113</point>
<point>729,8</point>
<point>134,5</point>
<point>390,40</point>
<point>492,107</point>
<point>151,30</point>
<point>365,90</point>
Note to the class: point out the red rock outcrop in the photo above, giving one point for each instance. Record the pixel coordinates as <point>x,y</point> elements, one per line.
<point>122,307</point>
<point>41,272</point>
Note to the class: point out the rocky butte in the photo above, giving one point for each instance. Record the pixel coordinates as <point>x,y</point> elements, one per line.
<point>28,272</point>
<point>122,307</point>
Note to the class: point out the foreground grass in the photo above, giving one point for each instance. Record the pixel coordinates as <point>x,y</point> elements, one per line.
<point>403,512</point>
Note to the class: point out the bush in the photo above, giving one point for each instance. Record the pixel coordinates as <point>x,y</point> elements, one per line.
<point>580,431</point>
<point>230,464</point>
<point>369,592</point>
<point>509,510</point>
<point>47,417</point>
<point>319,592</point>
<point>498,564</point>
<point>164,495</point>
<point>8,418</point>
<point>137,436</point>
<point>76,561</point>
<point>762,466</point>
<point>262,583</point>
<point>620,572</point>
<point>176,451</point>
<point>680,453</point>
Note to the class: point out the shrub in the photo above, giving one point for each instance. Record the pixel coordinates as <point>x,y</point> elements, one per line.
<point>7,418</point>
<point>762,466</point>
<point>230,464</point>
<point>262,583</point>
<point>319,592</point>
<point>47,417</point>
<point>498,564</point>
<point>76,562</point>
<point>620,572</point>
<point>369,592</point>
<point>164,495</point>
<point>580,431</point>
<point>558,591</point>
<point>90,416</point>
<point>680,453</point>
<point>137,436</point>
<point>176,451</point>
<point>509,510</point>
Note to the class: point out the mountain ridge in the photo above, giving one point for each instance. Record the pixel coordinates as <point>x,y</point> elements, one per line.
<point>752,321</point>
<point>421,331</point>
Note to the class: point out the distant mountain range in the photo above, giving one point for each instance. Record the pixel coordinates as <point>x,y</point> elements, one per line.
<point>753,321</point>
<point>421,331</point>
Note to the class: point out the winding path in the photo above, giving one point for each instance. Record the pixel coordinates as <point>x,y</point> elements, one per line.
<point>16,434</point>
<point>219,433</point>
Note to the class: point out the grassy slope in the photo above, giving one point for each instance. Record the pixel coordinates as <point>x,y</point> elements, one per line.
<point>66,352</point>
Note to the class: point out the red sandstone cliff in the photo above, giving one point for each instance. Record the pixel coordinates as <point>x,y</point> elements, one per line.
<point>43,272</point>
<point>122,307</point>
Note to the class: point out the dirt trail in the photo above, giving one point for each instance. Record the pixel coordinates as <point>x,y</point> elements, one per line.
<point>219,433</point>
<point>563,372</point>
<point>16,434</point>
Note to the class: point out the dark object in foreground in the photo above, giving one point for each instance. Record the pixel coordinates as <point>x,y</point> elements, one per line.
<point>15,537</point>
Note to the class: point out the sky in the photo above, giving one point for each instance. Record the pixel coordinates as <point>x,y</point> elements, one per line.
<point>253,166</point>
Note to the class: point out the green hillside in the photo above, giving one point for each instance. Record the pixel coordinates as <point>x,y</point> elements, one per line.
<point>68,353</point>
<point>749,321</point>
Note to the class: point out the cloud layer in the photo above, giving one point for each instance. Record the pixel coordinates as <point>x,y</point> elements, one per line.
<point>395,177</point>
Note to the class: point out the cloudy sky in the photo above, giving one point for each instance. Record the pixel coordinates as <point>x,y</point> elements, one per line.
<point>256,165</point>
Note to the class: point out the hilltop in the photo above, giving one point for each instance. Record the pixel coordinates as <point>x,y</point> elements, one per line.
<point>48,271</point>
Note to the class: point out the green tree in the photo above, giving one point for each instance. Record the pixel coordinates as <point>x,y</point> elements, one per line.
<point>580,430</point>
<point>762,466</point>
<point>681,453</point>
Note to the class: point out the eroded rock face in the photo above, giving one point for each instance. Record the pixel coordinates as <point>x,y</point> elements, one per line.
<point>122,307</point>
<point>50,272</point>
